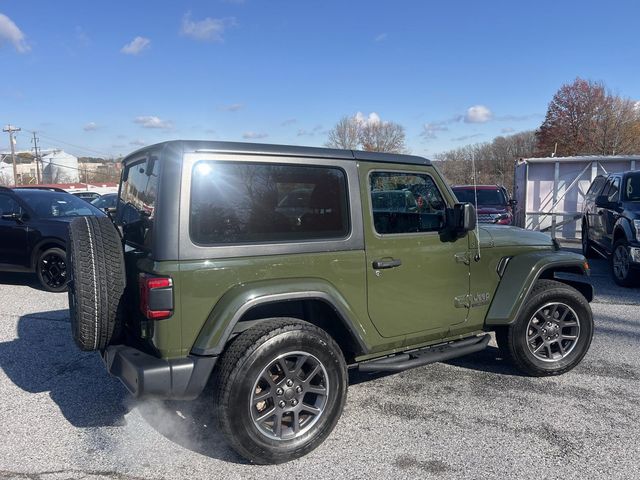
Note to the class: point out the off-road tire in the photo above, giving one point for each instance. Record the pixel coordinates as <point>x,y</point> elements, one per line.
<point>41,274</point>
<point>512,340</point>
<point>587,247</point>
<point>239,368</point>
<point>631,278</point>
<point>96,281</point>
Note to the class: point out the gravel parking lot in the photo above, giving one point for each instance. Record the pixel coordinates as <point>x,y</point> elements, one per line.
<point>62,416</point>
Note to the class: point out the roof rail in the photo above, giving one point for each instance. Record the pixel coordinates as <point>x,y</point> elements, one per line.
<point>37,187</point>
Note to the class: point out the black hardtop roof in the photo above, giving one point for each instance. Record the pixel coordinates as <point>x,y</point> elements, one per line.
<point>189,146</point>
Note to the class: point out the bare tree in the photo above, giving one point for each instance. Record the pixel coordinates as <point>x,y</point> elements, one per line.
<point>494,160</point>
<point>382,137</point>
<point>370,134</point>
<point>345,135</point>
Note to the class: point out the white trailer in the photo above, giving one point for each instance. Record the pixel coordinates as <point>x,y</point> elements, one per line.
<point>550,191</point>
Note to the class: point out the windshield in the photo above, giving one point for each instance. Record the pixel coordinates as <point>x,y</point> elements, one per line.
<point>106,201</point>
<point>56,204</point>
<point>485,197</point>
<point>632,188</point>
<point>136,209</point>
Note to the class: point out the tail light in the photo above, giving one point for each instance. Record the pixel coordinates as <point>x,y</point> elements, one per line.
<point>156,296</point>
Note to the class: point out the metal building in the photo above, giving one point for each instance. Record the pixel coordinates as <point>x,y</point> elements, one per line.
<point>59,167</point>
<point>550,191</point>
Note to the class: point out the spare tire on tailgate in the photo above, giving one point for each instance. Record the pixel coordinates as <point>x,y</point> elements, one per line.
<point>96,281</point>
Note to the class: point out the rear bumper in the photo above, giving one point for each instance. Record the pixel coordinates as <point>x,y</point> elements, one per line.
<point>147,376</point>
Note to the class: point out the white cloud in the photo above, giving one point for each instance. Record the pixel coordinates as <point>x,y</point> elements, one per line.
<point>381,37</point>
<point>372,119</point>
<point>150,121</point>
<point>138,142</point>
<point>208,29</point>
<point>466,137</point>
<point>10,32</point>
<point>136,46</point>
<point>90,127</point>
<point>254,135</point>
<point>289,121</point>
<point>430,130</point>
<point>234,107</point>
<point>507,130</point>
<point>478,114</point>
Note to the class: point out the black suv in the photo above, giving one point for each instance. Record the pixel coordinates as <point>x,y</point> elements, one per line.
<point>33,232</point>
<point>611,224</point>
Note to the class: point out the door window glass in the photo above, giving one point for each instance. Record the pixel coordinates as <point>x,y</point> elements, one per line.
<point>613,190</point>
<point>405,203</point>
<point>8,205</point>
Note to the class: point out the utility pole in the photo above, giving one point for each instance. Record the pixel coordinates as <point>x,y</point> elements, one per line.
<point>10,129</point>
<point>35,148</point>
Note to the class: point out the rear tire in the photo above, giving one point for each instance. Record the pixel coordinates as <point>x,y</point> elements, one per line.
<point>96,282</point>
<point>552,333</point>
<point>280,390</point>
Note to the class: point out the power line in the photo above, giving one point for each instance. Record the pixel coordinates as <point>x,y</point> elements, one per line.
<point>86,149</point>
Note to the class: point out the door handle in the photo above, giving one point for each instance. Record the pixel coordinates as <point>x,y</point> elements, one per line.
<point>380,264</point>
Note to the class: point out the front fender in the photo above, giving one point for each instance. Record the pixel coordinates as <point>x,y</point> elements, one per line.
<point>623,225</point>
<point>521,273</point>
<point>236,302</point>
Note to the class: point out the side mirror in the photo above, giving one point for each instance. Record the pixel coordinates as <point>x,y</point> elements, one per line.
<point>513,202</point>
<point>461,218</point>
<point>16,217</point>
<point>602,201</point>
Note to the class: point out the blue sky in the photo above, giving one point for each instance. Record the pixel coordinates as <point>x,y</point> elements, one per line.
<point>105,77</point>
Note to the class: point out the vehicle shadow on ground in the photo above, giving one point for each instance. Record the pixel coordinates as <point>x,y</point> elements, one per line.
<point>44,358</point>
<point>23,279</point>
<point>192,424</point>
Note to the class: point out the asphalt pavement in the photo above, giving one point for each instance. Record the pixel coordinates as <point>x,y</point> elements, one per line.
<point>62,416</point>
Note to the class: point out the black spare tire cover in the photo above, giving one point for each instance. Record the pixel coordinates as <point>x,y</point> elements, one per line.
<point>96,281</point>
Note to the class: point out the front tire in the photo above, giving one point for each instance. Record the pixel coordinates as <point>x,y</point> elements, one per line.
<point>552,333</point>
<point>280,390</point>
<point>621,269</point>
<point>51,269</point>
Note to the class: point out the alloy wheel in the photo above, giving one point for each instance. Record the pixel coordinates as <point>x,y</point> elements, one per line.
<point>621,262</point>
<point>53,268</point>
<point>553,331</point>
<point>289,396</point>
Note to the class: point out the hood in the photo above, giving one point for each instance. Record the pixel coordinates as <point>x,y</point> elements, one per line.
<point>505,236</point>
<point>492,209</point>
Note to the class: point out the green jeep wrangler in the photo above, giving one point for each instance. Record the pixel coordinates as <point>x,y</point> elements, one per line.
<point>272,270</point>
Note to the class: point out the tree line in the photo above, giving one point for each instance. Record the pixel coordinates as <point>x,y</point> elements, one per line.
<point>584,117</point>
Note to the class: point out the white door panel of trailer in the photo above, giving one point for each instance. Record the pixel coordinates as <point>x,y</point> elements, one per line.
<point>550,191</point>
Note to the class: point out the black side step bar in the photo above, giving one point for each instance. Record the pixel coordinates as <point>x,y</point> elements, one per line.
<point>418,358</point>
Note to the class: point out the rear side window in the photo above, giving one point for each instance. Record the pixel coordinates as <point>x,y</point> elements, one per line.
<point>596,186</point>
<point>238,202</point>
<point>138,192</point>
<point>405,203</point>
